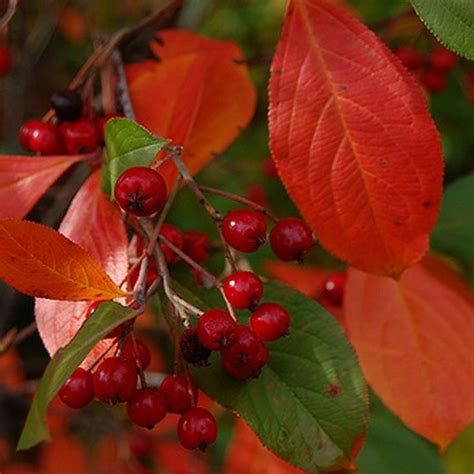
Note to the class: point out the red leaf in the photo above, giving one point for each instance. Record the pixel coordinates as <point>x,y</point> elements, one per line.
<point>196,94</point>
<point>415,342</point>
<point>96,225</point>
<point>353,140</point>
<point>24,179</point>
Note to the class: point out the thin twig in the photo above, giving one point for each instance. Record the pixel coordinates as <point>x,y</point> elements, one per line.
<point>10,12</point>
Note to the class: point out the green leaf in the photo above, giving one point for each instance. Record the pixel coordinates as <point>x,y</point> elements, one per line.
<point>105,318</point>
<point>454,232</point>
<point>129,144</point>
<point>451,21</point>
<point>459,458</point>
<point>309,404</point>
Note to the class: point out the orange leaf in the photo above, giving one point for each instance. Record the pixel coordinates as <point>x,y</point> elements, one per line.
<point>197,94</point>
<point>353,140</point>
<point>415,342</point>
<point>38,261</point>
<point>96,225</point>
<point>24,179</point>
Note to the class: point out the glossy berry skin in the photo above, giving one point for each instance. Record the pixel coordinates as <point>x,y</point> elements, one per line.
<point>175,236</point>
<point>250,368</point>
<point>140,191</point>
<point>180,392</point>
<point>44,138</point>
<point>410,57</point>
<point>5,61</point>
<point>135,351</point>
<point>443,60</point>
<point>80,136</point>
<point>433,80</point>
<point>244,229</point>
<point>333,289</point>
<point>192,350</point>
<point>67,105</point>
<point>214,329</point>
<point>140,443</point>
<point>115,380</point>
<point>291,239</point>
<point>243,290</point>
<point>102,121</point>
<point>196,245</point>
<point>270,321</point>
<point>78,391</point>
<point>26,131</point>
<point>146,407</point>
<point>243,342</point>
<point>197,428</point>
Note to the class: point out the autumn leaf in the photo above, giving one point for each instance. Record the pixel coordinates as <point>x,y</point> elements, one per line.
<point>352,139</point>
<point>27,178</point>
<point>199,94</point>
<point>38,261</point>
<point>415,340</point>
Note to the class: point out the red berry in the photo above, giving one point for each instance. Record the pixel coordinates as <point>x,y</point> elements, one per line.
<point>174,235</point>
<point>334,288</point>
<point>140,443</point>
<point>192,349</point>
<point>146,407</point>
<point>5,61</point>
<point>243,342</point>
<point>270,321</point>
<point>214,328</point>
<point>197,428</point>
<point>434,80</point>
<point>115,380</point>
<point>67,104</point>
<point>243,290</point>
<point>80,136</point>
<point>78,391</point>
<point>291,239</point>
<point>180,392</point>
<point>257,194</point>
<point>269,168</point>
<point>140,191</point>
<point>26,131</point>
<point>443,60</point>
<point>196,245</point>
<point>244,229</point>
<point>44,138</point>
<point>251,367</point>
<point>135,350</point>
<point>102,121</point>
<point>410,57</point>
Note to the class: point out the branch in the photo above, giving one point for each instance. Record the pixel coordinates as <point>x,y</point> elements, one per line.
<point>10,12</point>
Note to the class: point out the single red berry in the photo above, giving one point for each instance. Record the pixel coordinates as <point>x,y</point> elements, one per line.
<point>214,329</point>
<point>196,245</point>
<point>269,168</point>
<point>5,61</point>
<point>243,342</point>
<point>146,407</point>
<point>291,239</point>
<point>116,332</point>
<point>250,368</point>
<point>67,105</point>
<point>78,391</point>
<point>410,57</point>
<point>244,229</point>
<point>197,428</point>
<point>140,443</point>
<point>270,321</point>
<point>102,121</point>
<point>115,380</point>
<point>434,80</point>
<point>443,60</point>
<point>135,351</point>
<point>175,236</point>
<point>257,194</point>
<point>140,191</point>
<point>243,290</point>
<point>180,392</point>
<point>46,139</point>
<point>334,287</point>
<point>80,136</point>
<point>26,131</point>
<point>192,349</point>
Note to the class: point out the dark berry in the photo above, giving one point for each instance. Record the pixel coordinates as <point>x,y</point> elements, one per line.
<point>140,191</point>
<point>410,57</point>
<point>78,391</point>
<point>270,321</point>
<point>244,229</point>
<point>180,392</point>
<point>46,139</point>
<point>243,342</point>
<point>146,407</point>
<point>115,380</point>
<point>443,60</point>
<point>80,136</point>
<point>67,104</point>
<point>192,350</point>
<point>243,290</point>
<point>175,236</point>
<point>291,239</point>
<point>102,121</point>
<point>333,289</point>
<point>140,443</point>
<point>434,80</point>
<point>214,328</point>
<point>196,245</point>
<point>251,367</point>
<point>135,351</point>
<point>197,428</point>
<point>5,61</point>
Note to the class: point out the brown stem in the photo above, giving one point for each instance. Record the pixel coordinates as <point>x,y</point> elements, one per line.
<point>10,12</point>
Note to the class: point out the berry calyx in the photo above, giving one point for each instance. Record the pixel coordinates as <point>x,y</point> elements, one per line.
<point>214,329</point>
<point>333,289</point>
<point>140,443</point>
<point>197,428</point>
<point>135,351</point>
<point>115,380</point>
<point>192,350</point>
<point>80,136</point>
<point>5,61</point>
<point>196,245</point>
<point>67,105</point>
<point>140,191</point>
<point>443,60</point>
<point>43,138</point>
<point>146,407</point>
<point>291,239</point>
<point>243,342</point>
<point>244,229</point>
<point>270,321</point>
<point>180,392</point>
<point>410,57</point>
<point>174,235</point>
<point>78,391</point>
<point>243,290</point>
